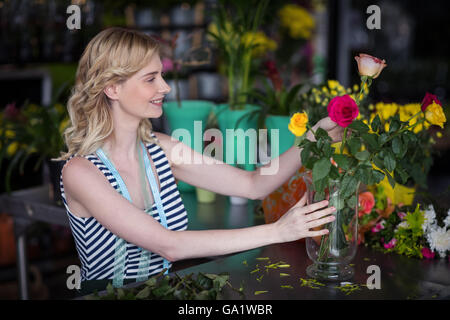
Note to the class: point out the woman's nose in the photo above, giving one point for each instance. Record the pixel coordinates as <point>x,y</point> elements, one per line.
<point>164,87</point>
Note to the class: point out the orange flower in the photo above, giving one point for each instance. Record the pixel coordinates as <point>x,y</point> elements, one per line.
<point>366,202</point>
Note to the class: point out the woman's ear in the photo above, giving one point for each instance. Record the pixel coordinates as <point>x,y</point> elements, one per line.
<point>112,91</point>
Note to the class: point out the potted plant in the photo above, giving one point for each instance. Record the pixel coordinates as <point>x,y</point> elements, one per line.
<point>236,35</point>
<point>183,113</point>
<point>277,104</point>
<point>34,130</point>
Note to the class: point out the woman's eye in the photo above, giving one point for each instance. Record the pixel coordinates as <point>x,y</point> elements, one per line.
<point>150,80</point>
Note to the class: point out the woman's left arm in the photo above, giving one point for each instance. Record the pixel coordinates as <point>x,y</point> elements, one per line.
<point>217,176</point>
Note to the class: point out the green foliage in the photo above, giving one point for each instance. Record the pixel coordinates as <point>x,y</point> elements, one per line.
<point>33,130</point>
<point>202,286</point>
<point>276,102</point>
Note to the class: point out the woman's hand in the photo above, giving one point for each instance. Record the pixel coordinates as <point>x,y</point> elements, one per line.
<point>295,223</point>
<point>334,130</point>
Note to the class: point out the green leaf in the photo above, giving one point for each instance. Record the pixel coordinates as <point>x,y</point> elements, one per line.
<point>348,186</point>
<point>378,161</point>
<point>320,186</point>
<point>110,289</point>
<point>377,176</point>
<point>362,155</point>
<point>397,145</point>
<point>382,138</point>
<point>359,126</point>
<point>402,174</point>
<point>354,145</point>
<point>389,161</point>
<point>321,169</point>
<point>352,201</point>
<point>321,133</point>
<point>390,178</point>
<point>305,153</point>
<point>394,124</point>
<point>371,140</point>
<point>342,160</point>
<point>376,123</point>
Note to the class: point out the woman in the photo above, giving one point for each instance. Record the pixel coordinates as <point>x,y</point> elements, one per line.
<point>138,231</point>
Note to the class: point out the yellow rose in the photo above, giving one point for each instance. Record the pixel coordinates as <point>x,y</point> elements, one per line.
<point>298,123</point>
<point>435,115</point>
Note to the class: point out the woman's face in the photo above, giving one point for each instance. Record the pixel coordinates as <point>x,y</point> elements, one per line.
<point>142,94</point>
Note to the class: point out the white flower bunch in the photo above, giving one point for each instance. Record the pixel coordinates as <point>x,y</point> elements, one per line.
<point>437,237</point>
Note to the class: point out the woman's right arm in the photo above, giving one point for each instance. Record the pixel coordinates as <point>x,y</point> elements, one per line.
<point>87,185</point>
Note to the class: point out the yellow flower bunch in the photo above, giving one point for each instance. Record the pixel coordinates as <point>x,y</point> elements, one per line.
<point>297,20</point>
<point>260,43</point>
<point>332,89</point>
<point>387,110</point>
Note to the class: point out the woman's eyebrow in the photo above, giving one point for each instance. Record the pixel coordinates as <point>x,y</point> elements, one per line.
<point>150,74</point>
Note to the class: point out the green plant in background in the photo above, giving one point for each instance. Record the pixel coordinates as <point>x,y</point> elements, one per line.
<point>29,130</point>
<point>235,32</point>
<point>275,98</point>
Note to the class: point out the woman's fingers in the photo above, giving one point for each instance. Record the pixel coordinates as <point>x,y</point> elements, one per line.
<point>315,206</point>
<point>319,214</point>
<point>319,233</point>
<point>319,222</point>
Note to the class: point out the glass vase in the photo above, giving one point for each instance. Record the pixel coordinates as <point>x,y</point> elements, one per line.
<point>332,253</point>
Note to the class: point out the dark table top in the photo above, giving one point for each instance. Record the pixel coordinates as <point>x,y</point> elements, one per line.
<point>401,277</point>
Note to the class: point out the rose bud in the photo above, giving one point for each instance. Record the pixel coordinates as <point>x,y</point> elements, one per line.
<point>369,66</point>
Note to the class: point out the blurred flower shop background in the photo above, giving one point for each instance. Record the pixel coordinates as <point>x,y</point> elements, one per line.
<point>237,64</point>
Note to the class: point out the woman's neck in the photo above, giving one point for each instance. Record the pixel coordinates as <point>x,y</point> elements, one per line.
<point>121,146</point>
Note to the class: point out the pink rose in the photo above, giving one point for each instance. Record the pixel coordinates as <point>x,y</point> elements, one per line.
<point>390,244</point>
<point>427,253</point>
<point>343,110</point>
<point>369,66</point>
<point>429,99</point>
<point>366,203</point>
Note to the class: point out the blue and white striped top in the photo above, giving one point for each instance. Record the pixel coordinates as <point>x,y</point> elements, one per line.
<point>96,245</point>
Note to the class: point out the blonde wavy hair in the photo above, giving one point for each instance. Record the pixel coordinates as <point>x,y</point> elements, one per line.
<point>111,57</point>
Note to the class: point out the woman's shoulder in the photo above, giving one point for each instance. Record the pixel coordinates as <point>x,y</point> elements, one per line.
<point>165,141</point>
<point>78,170</point>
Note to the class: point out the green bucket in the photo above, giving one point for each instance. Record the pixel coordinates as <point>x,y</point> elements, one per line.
<point>244,150</point>
<point>285,138</point>
<point>184,117</point>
